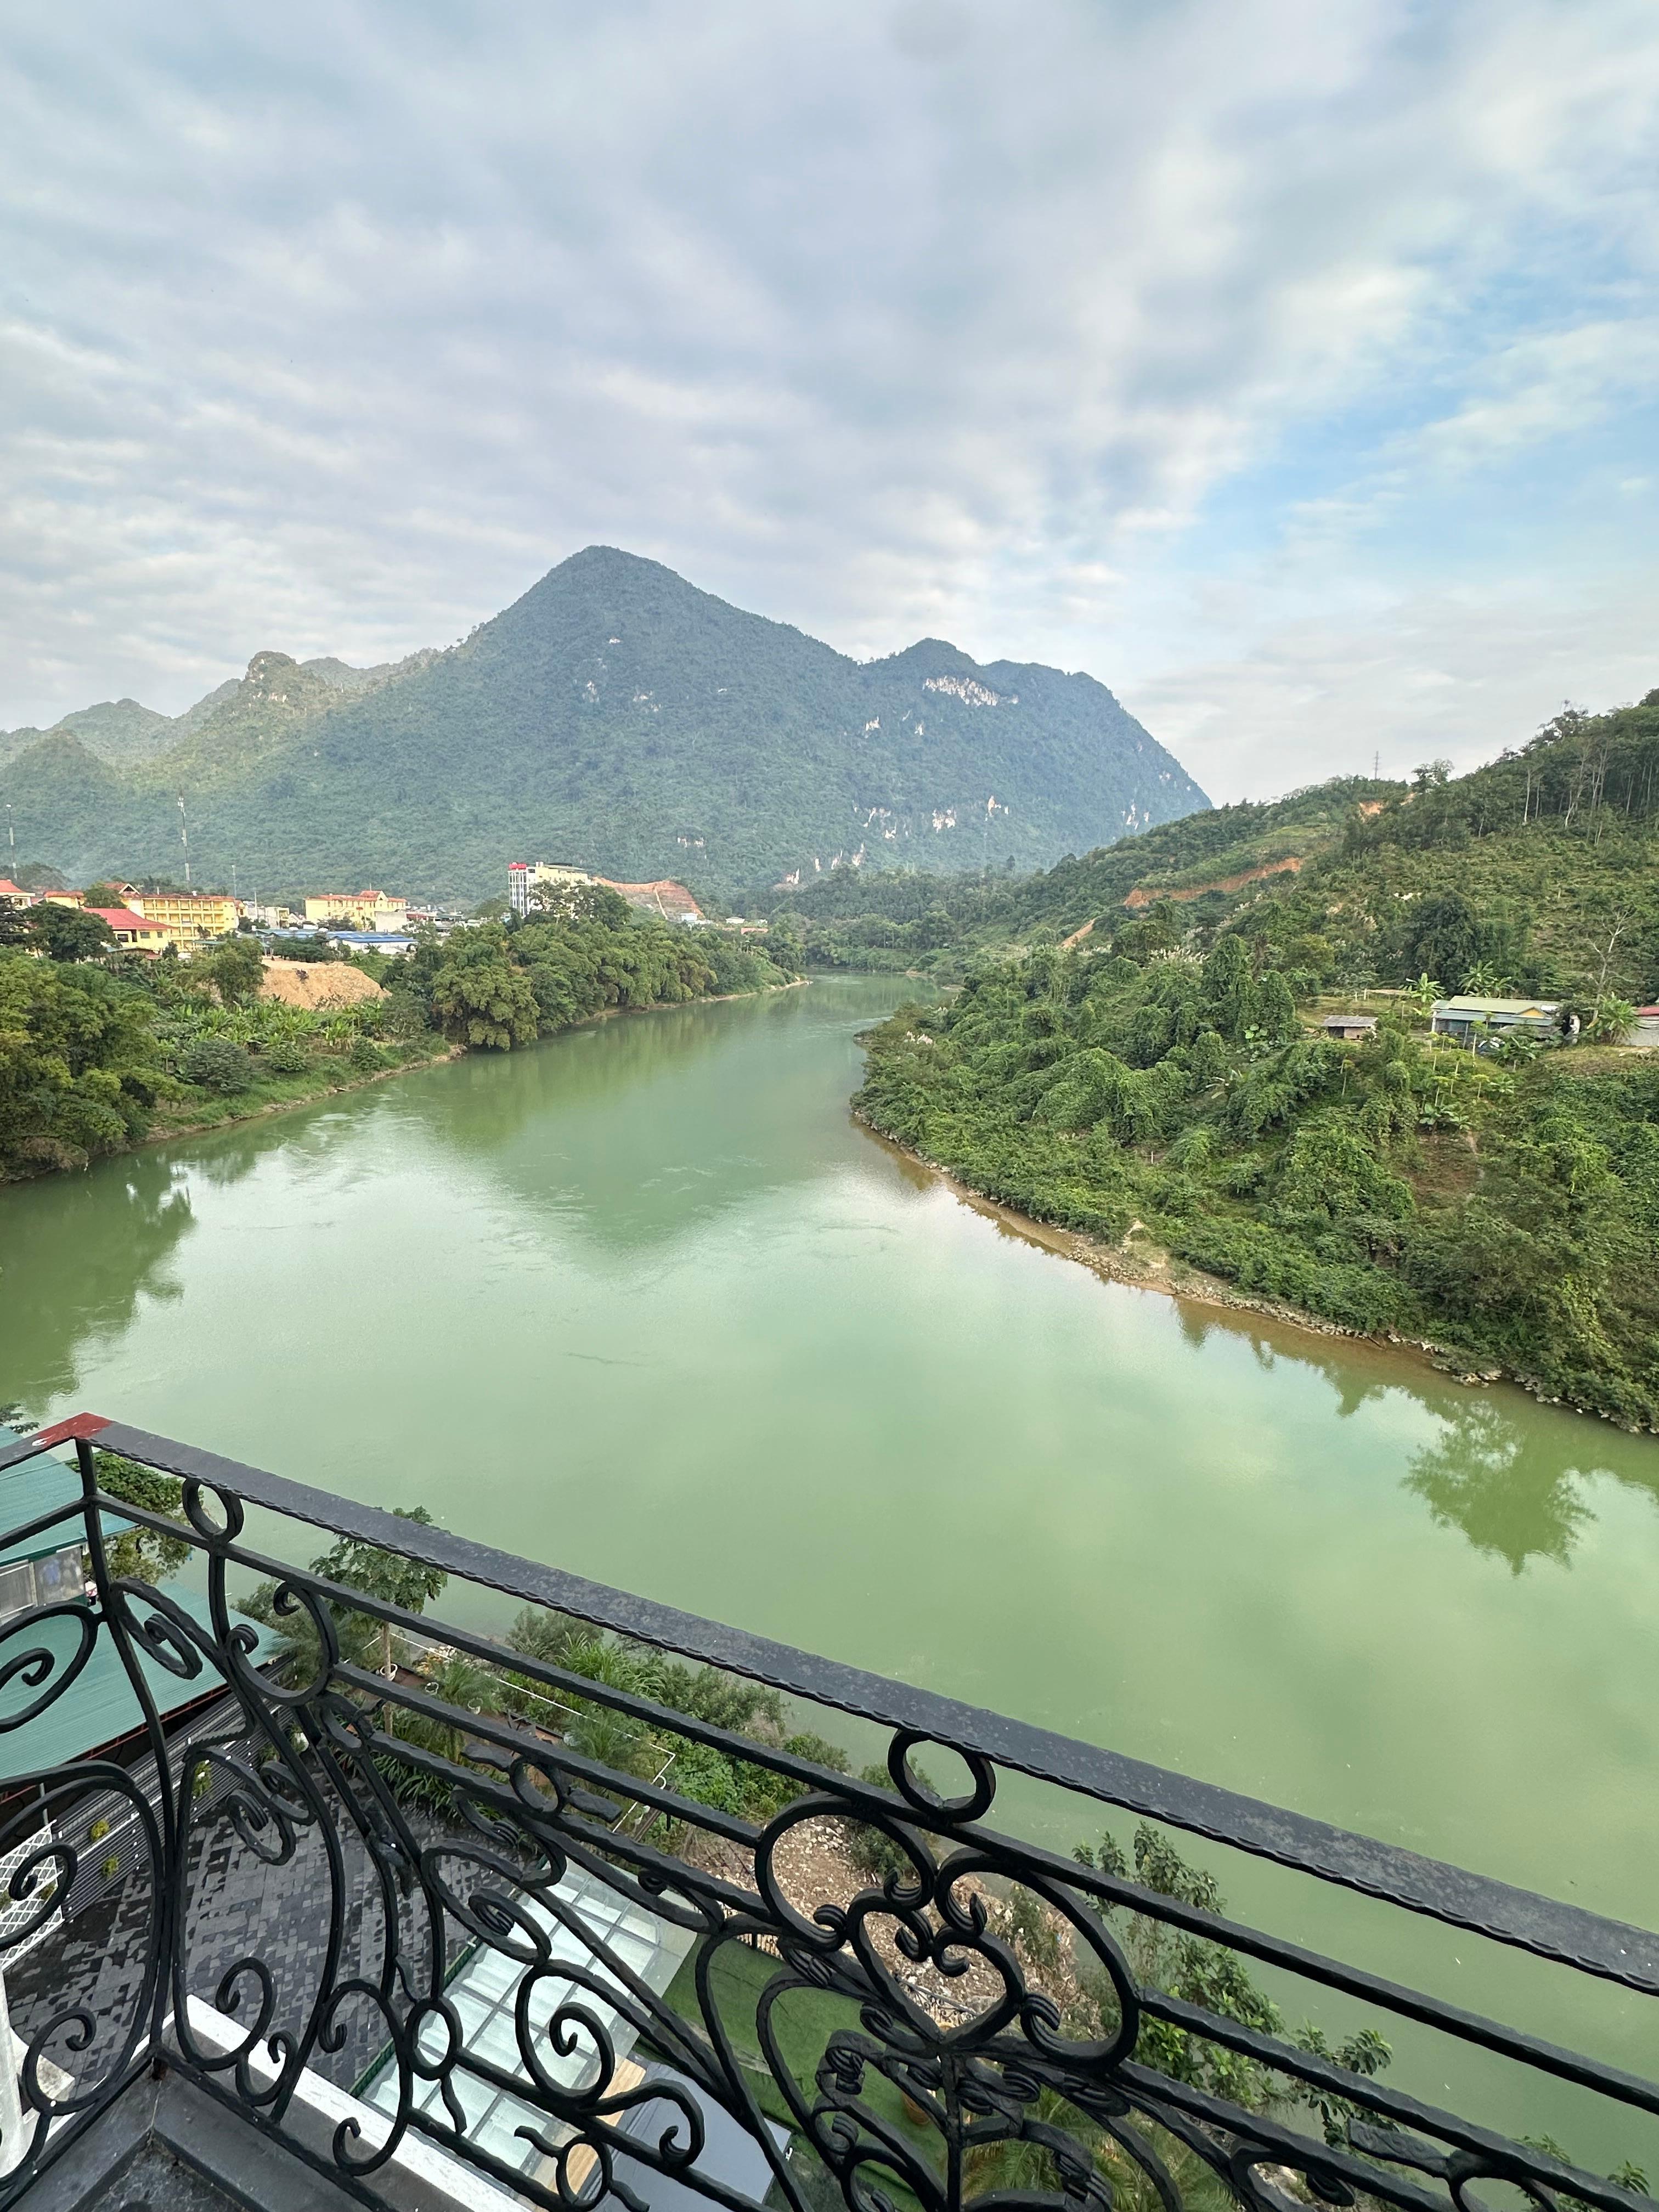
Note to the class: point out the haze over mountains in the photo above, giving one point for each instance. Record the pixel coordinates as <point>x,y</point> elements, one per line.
<point>614,715</point>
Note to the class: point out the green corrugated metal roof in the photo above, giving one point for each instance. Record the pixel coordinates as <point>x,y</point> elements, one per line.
<point>28,1490</point>
<point>100,1705</point>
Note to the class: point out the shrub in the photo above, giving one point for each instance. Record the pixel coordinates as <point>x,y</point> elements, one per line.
<point>215,1064</point>
<point>287,1055</point>
<point>366,1058</point>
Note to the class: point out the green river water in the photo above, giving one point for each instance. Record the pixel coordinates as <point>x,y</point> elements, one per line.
<point>644,1302</point>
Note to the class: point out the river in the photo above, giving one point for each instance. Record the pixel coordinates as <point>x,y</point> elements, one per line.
<point>646,1303</point>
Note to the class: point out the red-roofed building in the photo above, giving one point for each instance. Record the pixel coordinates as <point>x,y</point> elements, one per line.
<point>131,929</point>
<point>12,894</point>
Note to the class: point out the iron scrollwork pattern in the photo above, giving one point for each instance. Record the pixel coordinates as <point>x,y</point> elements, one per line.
<point>376,1915</point>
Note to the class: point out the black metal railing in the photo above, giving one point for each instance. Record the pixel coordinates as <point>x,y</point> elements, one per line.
<point>685,1915</point>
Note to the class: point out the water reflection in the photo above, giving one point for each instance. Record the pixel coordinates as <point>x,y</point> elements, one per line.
<point>565,1173</point>
<point>1504,1486</point>
<point>1501,1471</point>
<point>634,1131</point>
<point>79,1252</point>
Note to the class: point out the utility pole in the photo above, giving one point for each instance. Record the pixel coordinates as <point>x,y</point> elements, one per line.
<point>11,832</point>
<point>184,837</point>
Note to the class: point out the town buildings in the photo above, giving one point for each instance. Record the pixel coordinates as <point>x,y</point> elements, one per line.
<point>524,877</point>
<point>371,910</point>
<point>134,932</point>
<point>189,918</point>
<point>667,900</point>
<point>1474,1021</point>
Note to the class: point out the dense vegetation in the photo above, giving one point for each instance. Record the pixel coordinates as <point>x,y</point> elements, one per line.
<point>1160,1077</point>
<point>614,715</point>
<point>99,1049</point>
<point>899,921</point>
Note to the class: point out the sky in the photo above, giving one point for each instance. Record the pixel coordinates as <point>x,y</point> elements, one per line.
<point>1292,368</point>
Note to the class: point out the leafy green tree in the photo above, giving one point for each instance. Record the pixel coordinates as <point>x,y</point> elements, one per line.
<point>215,1063</point>
<point>236,970</point>
<point>409,1584</point>
<point>1275,1010</point>
<point>80,1062</point>
<point>138,1554</point>
<point>1425,994</point>
<point>479,997</point>
<point>68,933</point>
<point>1443,936</point>
<point>1613,1021</point>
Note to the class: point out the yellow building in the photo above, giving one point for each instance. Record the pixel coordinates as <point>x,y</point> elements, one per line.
<point>189,918</point>
<point>370,910</point>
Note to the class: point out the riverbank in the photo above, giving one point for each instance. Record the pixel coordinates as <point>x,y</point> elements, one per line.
<point>281,1094</point>
<point>1143,1265</point>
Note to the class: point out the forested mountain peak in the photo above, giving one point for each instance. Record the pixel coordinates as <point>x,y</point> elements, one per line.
<point>617,713</point>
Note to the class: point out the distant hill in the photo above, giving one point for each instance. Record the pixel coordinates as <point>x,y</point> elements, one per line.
<point>615,715</point>
<point>1540,870</point>
<point>1208,857</point>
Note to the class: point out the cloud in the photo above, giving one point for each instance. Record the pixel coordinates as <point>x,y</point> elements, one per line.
<point>1157,340</point>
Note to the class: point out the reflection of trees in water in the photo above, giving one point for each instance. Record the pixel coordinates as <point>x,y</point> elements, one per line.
<point>79,1252</point>
<point>1355,1386</point>
<point>1502,1484</point>
<point>1499,1472</point>
<point>629,1131</point>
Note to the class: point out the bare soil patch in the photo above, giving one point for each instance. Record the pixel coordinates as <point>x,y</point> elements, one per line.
<point>319,986</point>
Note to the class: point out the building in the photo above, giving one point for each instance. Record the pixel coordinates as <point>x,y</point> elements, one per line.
<point>100,1714</point>
<point>523,877</point>
<point>13,894</point>
<point>1646,1030</point>
<point>135,931</point>
<point>1350,1029</point>
<point>1474,1021</point>
<point>374,940</point>
<point>370,910</point>
<point>188,917</point>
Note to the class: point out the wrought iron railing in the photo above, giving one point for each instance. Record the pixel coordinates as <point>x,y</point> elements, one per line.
<point>898,2003</point>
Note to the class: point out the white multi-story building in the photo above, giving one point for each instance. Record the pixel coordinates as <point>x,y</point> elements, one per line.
<point>524,876</point>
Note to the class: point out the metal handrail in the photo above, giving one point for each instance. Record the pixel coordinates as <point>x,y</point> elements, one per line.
<point>999,2075</point>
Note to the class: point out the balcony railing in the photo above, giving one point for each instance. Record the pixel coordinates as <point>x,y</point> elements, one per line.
<point>581,1964</point>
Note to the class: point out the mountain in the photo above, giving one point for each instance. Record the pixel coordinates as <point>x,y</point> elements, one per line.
<point>1538,871</point>
<point>614,715</point>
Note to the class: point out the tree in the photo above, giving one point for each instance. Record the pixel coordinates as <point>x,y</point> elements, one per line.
<point>479,997</point>
<point>1275,1021</point>
<point>80,1065</point>
<point>105,895</point>
<point>236,970</point>
<point>1612,1020</point>
<point>215,1063</point>
<point>409,1584</point>
<point>136,1553</point>
<point>1422,995</point>
<point>1229,990</point>
<point>1444,938</point>
<point>68,933</point>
